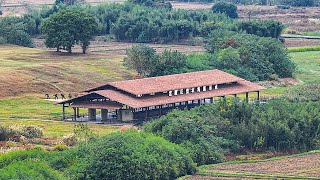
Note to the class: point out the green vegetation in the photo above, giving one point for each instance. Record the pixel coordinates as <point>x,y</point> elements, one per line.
<point>278,125</point>
<point>66,28</point>
<point>268,28</point>
<point>306,92</point>
<point>58,129</point>
<point>228,9</point>
<point>132,155</point>
<point>303,49</point>
<point>129,155</point>
<point>308,69</point>
<point>147,63</point>
<point>13,31</point>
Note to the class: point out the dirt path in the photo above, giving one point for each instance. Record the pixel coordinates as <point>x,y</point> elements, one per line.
<point>308,165</point>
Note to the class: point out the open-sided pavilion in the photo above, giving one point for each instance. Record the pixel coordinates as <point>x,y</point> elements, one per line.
<point>145,98</point>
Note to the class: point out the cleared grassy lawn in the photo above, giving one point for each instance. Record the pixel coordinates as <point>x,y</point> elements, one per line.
<point>58,129</point>
<point>308,70</point>
<point>308,66</point>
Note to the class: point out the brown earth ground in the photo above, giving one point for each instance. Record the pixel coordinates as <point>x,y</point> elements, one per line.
<point>308,165</point>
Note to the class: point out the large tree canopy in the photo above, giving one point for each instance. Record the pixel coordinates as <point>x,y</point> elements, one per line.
<point>66,28</point>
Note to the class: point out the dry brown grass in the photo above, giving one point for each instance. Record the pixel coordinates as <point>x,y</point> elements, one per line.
<point>25,70</point>
<point>307,165</point>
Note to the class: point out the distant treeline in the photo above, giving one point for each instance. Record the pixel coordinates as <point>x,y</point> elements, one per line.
<point>264,2</point>
<point>137,22</point>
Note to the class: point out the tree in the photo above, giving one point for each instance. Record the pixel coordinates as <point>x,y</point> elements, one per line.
<point>141,58</point>
<point>68,27</point>
<point>13,31</point>
<point>225,8</point>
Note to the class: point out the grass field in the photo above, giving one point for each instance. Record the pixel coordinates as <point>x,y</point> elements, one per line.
<point>58,129</point>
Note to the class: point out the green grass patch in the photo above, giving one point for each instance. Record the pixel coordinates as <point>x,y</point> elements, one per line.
<point>30,107</point>
<point>58,129</point>
<point>311,33</point>
<point>303,49</point>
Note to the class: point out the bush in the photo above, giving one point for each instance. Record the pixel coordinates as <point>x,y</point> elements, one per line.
<point>70,140</point>
<point>226,8</point>
<point>27,131</point>
<point>29,169</point>
<point>6,133</point>
<point>132,155</point>
<point>308,92</point>
<point>198,134</point>
<point>60,147</point>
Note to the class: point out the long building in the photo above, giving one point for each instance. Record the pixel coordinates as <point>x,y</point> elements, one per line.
<point>141,99</point>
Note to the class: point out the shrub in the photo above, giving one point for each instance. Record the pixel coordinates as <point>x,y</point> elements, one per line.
<point>27,131</point>
<point>199,135</point>
<point>70,140</point>
<point>60,147</point>
<point>307,92</point>
<point>132,155</point>
<point>226,8</point>
<point>31,131</point>
<point>29,169</point>
<point>6,133</point>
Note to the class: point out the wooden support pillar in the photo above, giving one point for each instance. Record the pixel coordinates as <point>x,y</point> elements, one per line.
<point>235,95</point>
<point>78,112</point>
<point>160,109</point>
<point>63,112</point>
<point>75,114</point>
<point>247,96</point>
<point>258,95</point>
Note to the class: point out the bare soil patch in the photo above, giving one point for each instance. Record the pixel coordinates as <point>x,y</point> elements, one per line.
<point>199,177</point>
<point>308,165</point>
<point>299,42</point>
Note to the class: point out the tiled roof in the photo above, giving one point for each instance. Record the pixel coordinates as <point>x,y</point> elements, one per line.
<point>136,102</point>
<point>172,82</point>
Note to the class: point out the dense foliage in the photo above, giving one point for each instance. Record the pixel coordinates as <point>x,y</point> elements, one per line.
<point>250,56</point>
<point>269,28</point>
<point>264,2</point>
<point>14,30</point>
<point>132,155</point>
<point>147,63</point>
<point>197,133</point>
<point>278,125</point>
<point>66,28</point>
<point>129,155</point>
<point>228,9</point>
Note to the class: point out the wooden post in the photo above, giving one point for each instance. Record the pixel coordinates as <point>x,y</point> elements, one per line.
<point>247,97</point>
<point>78,113</point>
<point>63,112</point>
<point>258,95</point>
<point>75,114</point>
<point>235,95</point>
